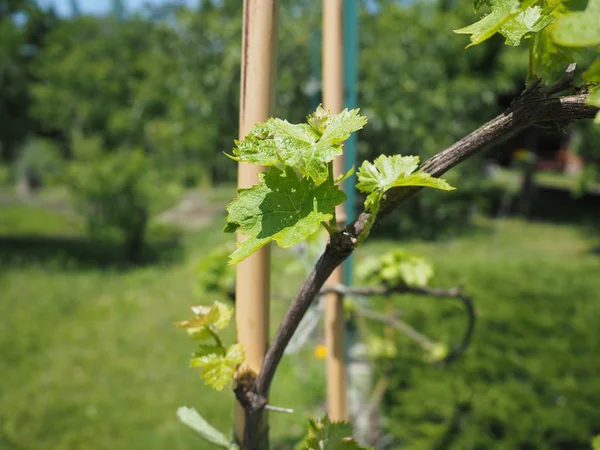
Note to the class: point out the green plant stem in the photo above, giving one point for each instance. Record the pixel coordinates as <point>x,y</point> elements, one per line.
<point>331,230</point>
<point>531,74</point>
<point>217,337</point>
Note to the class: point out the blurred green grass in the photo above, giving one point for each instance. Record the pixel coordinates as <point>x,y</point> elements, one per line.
<point>529,379</point>
<point>90,360</point>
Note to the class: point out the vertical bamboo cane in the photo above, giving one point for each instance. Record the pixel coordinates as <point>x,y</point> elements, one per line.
<point>259,40</point>
<point>333,100</point>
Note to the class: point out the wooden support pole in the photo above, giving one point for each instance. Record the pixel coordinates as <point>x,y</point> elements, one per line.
<point>252,285</point>
<point>333,100</point>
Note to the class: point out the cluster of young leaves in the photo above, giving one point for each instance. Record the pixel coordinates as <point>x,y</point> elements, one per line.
<point>216,362</point>
<point>397,267</point>
<point>387,172</point>
<point>557,31</point>
<point>297,193</point>
<point>323,434</point>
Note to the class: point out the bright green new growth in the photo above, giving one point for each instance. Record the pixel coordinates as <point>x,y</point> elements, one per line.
<point>388,172</point>
<point>323,434</point>
<point>502,12</point>
<point>297,194</point>
<point>217,363</point>
<point>283,208</point>
<point>218,367</point>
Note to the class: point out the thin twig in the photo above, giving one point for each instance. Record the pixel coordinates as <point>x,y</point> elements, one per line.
<point>401,326</point>
<point>424,341</point>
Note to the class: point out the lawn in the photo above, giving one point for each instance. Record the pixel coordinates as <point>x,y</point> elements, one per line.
<point>90,359</point>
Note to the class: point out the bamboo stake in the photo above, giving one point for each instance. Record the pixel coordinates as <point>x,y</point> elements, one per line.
<point>333,100</point>
<point>258,66</point>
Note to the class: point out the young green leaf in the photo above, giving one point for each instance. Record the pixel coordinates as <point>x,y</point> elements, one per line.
<point>580,28</point>
<point>502,12</point>
<point>218,315</point>
<point>393,171</point>
<point>205,350</point>
<point>531,20</point>
<point>306,147</point>
<point>191,418</point>
<point>218,369</point>
<point>206,320</point>
<point>388,172</point>
<point>283,208</point>
<point>323,434</point>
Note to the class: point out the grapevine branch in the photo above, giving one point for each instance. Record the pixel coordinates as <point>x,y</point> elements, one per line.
<point>453,293</point>
<point>532,107</point>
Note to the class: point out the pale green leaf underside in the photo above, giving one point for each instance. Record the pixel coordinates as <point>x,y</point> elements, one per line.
<point>218,369</point>
<point>191,418</point>
<point>283,208</point>
<point>207,318</point>
<point>579,29</point>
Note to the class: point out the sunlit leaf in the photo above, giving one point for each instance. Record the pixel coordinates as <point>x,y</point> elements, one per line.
<point>217,368</point>
<point>502,12</point>
<point>532,20</point>
<point>306,147</point>
<point>387,172</point>
<point>283,208</point>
